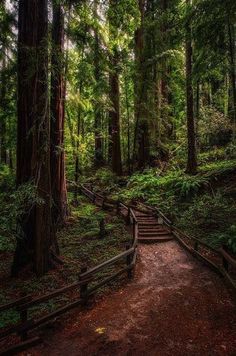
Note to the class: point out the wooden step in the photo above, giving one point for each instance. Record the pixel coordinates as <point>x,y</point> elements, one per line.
<point>153,233</point>
<point>153,227</point>
<point>156,239</point>
<point>147,220</point>
<point>150,223</point>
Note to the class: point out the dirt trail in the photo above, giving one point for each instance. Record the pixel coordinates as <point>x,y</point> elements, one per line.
<point>173,306</point>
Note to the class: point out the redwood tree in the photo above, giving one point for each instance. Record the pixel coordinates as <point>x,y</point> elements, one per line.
<point>114,113</point>
<point>141,136</point>
<point>58,181</point>
<point>98,154</point>
<point>191,135</point>
<point>34,243</point>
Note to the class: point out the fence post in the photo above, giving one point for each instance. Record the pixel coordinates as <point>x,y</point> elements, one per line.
<point>84,287</point>
<point>117,207</point>
<point>128,217</point>
<point>94,198</point>
<point>24,318</point>
<point>225,264</point>
<point>128,262</point>
<point>102,230</point>
<point>134,229</point>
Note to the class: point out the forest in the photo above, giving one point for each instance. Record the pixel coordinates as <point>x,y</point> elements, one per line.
<point>118,127</point>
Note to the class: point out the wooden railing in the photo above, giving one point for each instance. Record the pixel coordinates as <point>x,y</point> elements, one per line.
<point>88,282</point>
<point>219,260</point>
<point>159,214</point>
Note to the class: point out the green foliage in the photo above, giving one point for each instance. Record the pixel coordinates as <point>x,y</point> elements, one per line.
<point>9,317</point>
<point>210,217</point>
<point>175,183</point>
<point>231,241</point>
<point>13,205</point>
<point>218,168</point>
<point>214,127</point>
<point>105,180</point>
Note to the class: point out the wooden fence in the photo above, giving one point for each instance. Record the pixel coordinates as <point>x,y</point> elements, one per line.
<point>217,259</point>
<point>88,282</point>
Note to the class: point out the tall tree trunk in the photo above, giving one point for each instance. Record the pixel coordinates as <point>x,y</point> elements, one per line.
<point>3,91</point>
<point>76,152</point>
<point>34,241</point>
<point>114,86</point>
<point>197,112</point>
<point>191,135</point>
<point>141,134</point>
<point>128,125</point>
<point>58,180</point>
<point>98,153</point>
<point>114,115</point>
<point>232,72</point>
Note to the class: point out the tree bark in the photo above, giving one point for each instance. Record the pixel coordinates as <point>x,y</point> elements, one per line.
<point>141,135</point>
<point>232,72</point>
<point>114,112</point>
<point>114,115</point>
<point>98,153</point>
<point>191,135</point>
<point>58,180</point>
<point>33,151</point>
<point>3,91</point>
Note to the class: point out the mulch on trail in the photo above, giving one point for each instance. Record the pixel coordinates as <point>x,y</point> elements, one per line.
<point>173,306</point>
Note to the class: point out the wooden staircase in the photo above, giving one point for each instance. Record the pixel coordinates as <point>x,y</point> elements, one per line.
<point>151,230</point>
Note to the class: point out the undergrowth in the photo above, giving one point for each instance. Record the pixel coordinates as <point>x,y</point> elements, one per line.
<point>80,244</point>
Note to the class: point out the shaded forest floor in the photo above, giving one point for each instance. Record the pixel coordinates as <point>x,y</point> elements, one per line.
<point>80,245</point>
<point>174,305</point>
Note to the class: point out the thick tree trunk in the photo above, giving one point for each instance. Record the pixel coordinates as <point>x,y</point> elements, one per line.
<point>141,135</point>
<point>33,150</point>
<point>191,135</point>
<point>128,126</point>
<point>114,147</point>
<point>232,72</point>
<point>114,115</point>
<point>58,181</point>
<point>98,153</point>
<point>3,131</point>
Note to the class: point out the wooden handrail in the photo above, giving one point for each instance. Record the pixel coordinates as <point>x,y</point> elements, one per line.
<point>227,257</point>
<point>160,213</point>
<point>200,242</point>
<point>15,303</point>
<point>52,295</point>
<point>107,263</point>
<point>133,216</point>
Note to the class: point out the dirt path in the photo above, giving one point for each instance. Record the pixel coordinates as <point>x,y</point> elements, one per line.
<point>173,306</point>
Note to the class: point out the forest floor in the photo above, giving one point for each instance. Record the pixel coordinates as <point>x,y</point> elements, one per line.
<point>80,244</point>
<point>173,306</point>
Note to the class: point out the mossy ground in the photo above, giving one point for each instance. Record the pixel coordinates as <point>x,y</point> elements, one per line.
<point>80,244</point>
